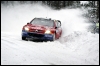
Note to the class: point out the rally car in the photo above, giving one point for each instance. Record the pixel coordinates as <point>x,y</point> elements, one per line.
<point>42,29</point>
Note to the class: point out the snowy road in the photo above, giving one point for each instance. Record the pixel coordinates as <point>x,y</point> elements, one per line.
<point>15,51</point>
<point>75,47</point>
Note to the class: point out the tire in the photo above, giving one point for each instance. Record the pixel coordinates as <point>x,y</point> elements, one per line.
<point>23,38</point>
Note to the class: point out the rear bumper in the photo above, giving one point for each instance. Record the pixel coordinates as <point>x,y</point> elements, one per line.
<point>35,36</point>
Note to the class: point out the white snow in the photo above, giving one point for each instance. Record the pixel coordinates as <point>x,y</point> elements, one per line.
<point>84,2</point>
<point>76,46</point>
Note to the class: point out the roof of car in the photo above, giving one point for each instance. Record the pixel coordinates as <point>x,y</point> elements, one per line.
<point>46,18</point>
<point>43,18</point>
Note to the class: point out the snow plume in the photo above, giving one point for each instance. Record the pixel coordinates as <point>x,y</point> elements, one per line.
<point>13,17</point>
<point>84,2</point>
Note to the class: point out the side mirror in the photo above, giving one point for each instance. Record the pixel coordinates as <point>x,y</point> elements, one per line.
<point>55,27</point>
<point>28,23</point>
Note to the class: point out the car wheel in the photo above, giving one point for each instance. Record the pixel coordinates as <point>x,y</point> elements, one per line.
<point>23,38</point>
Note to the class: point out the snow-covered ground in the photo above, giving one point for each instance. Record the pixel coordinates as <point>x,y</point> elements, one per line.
<point>76,46</point>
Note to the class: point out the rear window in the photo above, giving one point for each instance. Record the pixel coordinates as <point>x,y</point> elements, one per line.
<point>42,21</point>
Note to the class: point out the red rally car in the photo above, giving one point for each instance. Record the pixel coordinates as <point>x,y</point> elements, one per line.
<point>42,29</point>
